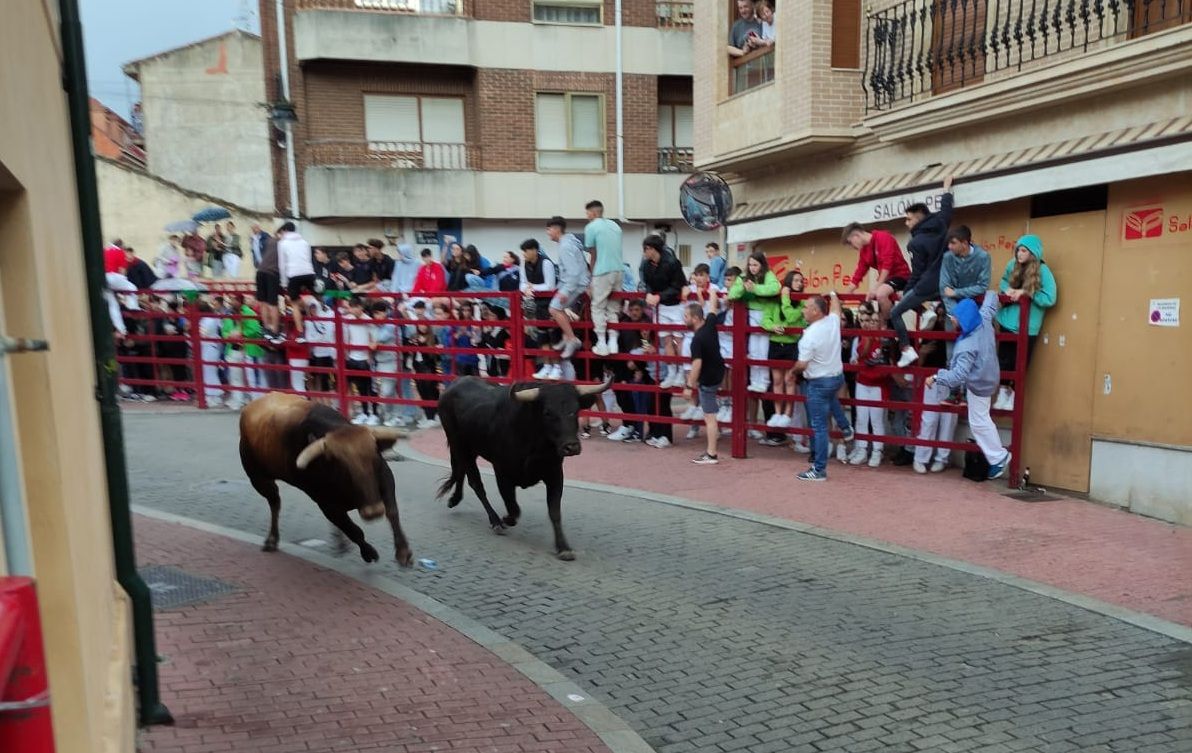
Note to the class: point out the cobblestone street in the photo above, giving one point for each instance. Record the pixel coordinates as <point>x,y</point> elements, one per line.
<point>713,634</point>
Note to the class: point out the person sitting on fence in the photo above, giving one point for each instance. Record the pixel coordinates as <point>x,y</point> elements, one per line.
<point>974,367</point>
<point>574,276</point>
<point>819,360</point>
<point>879,251</point>
<point>633,339</point>
<point>781,321</point>
<point>927,245</point>
<point>603,237</point>
<point>137,271</point>
<point>381,262</point>
<point>362,278</point>
<point>385,335</point>
<point>934,425</point>
<point>405,269</point>
<point>476,266</point>
<point>296,264</point>
<point>700,290</point>
<point>1026,277</point>
<point>717,265</point>
<point>871,353</point>
<point>662,276</point>
<point>964,271</point>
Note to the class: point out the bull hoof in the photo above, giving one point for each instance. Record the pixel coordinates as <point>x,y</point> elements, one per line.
<point>405,558</point>
<point>454,501</point>
<point>499,529</point>
<point>270,546</point>
<point>509,520</point>
<point>566,555</point>
<point>368,554</point>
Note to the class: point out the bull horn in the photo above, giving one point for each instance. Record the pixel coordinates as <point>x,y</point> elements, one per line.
<point>312,451</point>
<point>526,396</point>
<point>387,434</point>
<point>593,389</point>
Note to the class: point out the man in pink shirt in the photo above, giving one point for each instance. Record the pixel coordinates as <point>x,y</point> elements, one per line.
<point>879,251</point>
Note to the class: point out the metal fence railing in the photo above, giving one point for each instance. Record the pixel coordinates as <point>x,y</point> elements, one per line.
<point>675,15</point>
<point>208,349</point>
<point>676,159</point>
<point>403,155</point>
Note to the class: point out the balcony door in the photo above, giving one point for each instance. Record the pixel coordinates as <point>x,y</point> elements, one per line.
<point>676,138</point>
<point>957,44</point>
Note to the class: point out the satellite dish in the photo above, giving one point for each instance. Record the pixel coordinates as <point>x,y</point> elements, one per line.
<point>705,201</point>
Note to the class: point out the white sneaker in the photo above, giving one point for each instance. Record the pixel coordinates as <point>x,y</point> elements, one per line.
<point>842,452</point>
<point>784,421</point>
<point>620,434</point>
<point>775,420</point>
<point>612,344</point>
<point>875,459</point>
<point>659,442</point>
<point>555,372</point>
<point>858,456</point>
<point>693,432</point>
<point>373,420</point>
<point>543,373</point>
<point>909,356</point>
<point>927,321</point>
<point>725,414</point>
<point>939,466</point>
<point>359,419</point>
<point>674,379</point>
<point>599,349</point>
<point>426,423</point>
<point>392,422</point>
<point>692,413</point>
<point>755,434</point>
<point>801,447</point>
<point>756,387</point>
<point>919,467</point>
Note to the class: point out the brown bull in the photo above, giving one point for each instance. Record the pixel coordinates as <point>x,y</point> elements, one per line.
<point>314,448</point>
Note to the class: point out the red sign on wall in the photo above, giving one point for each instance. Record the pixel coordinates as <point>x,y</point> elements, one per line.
<point>1142,222</point>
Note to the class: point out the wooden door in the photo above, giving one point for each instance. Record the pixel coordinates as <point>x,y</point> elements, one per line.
<point>1151,16</point>
<point>1061,380</point>
<point>957,44</point>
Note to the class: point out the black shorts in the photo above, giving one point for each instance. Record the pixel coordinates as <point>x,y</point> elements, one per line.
<point>299,285</point>
<point>784,352</point>
<point>898,283</point>
<point>268,287</point>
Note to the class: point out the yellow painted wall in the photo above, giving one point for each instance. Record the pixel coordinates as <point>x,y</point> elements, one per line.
<point>1149,367</point>
<point>43,294</point>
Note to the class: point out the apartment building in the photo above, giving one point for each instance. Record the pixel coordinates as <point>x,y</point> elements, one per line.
<point>114,137</point>
<point>1068,120</point>
<point>481,118</point>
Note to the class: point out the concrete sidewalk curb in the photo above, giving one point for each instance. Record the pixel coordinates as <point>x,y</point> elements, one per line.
<point>1130,616</point>
<point>610,728</point>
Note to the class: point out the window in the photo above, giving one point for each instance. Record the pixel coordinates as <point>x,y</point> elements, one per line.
<point>579,12</point>
<point>425,132</point>
<point>846,33</point>
<point>570,131</point>
<point>676,141</point>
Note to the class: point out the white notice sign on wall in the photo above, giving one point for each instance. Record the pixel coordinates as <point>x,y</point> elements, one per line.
<point>1164,312</point>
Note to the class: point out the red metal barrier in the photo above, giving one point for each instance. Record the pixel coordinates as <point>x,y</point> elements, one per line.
<point>25,723</point>
<point>519,352</point>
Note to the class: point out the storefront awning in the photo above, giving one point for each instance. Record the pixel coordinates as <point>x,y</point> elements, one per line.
<point>1124,154</point>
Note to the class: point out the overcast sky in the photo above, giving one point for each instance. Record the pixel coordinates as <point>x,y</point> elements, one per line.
<point>117,31</point>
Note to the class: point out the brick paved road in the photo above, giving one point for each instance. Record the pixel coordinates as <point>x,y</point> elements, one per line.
<point>714,634</point>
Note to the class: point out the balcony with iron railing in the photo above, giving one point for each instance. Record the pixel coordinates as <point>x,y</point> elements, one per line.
<point>918,49</point>
<point>676,159</point>
<point>420,7</point>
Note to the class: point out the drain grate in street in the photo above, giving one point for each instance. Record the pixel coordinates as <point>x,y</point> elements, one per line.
<point>171,588</point>
<point>1031,496</point>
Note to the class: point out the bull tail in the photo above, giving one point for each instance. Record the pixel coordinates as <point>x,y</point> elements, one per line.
<point>456,478</point>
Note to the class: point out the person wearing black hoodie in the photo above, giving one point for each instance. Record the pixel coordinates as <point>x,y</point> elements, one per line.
<point>927,246</point>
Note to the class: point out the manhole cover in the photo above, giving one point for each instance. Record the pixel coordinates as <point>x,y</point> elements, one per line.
<point>1032,496</point>
<point>171,587</point>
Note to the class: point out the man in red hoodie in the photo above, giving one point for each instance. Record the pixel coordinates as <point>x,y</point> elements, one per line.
<point>431,277</point>
<point>877,250</point>
<point>114,259</point>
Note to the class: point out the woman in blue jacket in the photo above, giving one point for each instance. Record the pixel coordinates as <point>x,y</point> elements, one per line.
<point>1027,278</point>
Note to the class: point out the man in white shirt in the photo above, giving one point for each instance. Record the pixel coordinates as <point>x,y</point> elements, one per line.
<point>819,360</point>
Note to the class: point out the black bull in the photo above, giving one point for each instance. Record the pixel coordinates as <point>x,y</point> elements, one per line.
<point>525,431</point>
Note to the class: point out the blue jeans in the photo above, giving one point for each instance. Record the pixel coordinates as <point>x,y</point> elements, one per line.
<point>822,399</point>
<point>910,300</point>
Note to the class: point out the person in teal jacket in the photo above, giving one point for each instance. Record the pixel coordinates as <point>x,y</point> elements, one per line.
<point>759,288</point>
<point>1027,277</point>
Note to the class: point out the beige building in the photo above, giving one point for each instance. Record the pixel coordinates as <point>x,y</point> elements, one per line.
<point>1073,128</point>
<point>53,506</point>
<point>205,122</point>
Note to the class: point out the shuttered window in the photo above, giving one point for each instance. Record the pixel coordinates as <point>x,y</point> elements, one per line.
<point>564,12</point>
<point>412,120</point>
<point>846,33</point>
<point>570,132</point>
<point>676,126</point>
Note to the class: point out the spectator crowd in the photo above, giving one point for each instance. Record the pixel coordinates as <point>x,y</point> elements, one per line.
<point>379,326</point>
